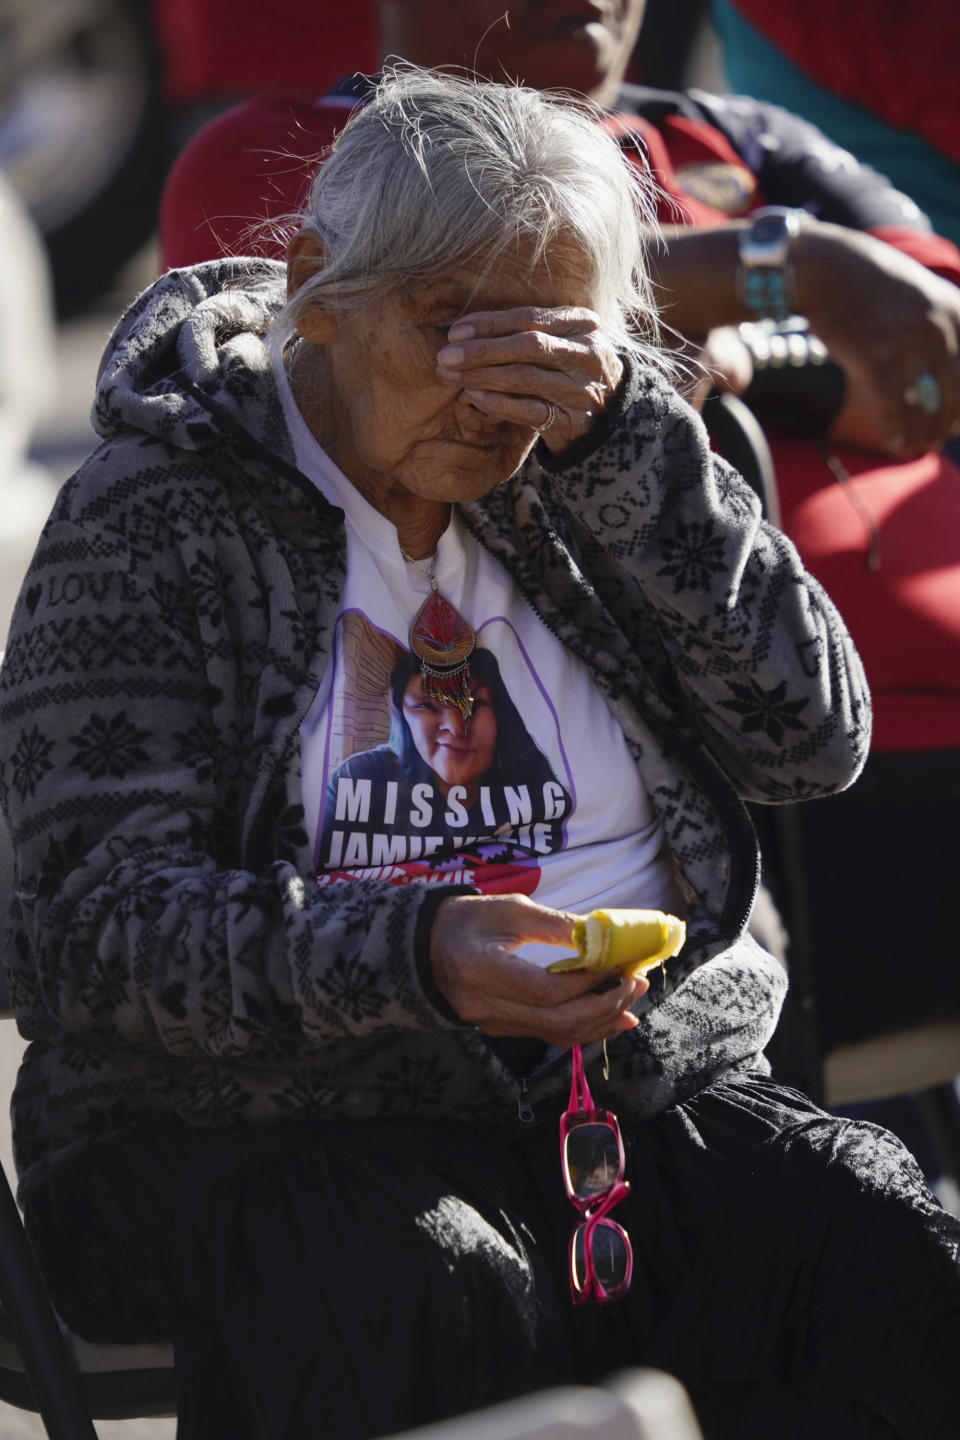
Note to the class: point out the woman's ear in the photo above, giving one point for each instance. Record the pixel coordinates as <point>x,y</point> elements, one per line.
<point>306,253</point>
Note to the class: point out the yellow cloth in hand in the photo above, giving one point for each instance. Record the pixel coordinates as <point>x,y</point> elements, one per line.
<point>631,941</point>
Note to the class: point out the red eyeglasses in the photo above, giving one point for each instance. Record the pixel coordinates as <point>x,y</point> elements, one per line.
<point>593,1164</point>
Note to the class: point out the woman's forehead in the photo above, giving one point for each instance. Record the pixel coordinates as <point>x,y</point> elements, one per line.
<point>562,277</point>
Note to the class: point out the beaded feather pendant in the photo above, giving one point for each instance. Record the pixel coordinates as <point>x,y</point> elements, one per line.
<point>443,642</point>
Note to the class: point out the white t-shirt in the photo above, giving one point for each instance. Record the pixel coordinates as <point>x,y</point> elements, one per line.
<point>538,795</point>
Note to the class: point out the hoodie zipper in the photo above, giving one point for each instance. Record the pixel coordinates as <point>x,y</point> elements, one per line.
<point>524,1108</point>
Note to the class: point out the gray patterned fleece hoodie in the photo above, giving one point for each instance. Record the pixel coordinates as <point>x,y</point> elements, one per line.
<point>167,947</point>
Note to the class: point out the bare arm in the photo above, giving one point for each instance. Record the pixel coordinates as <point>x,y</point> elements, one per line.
<point>883,317</point>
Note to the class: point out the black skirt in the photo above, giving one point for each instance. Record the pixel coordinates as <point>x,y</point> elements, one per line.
<point>358,1278</point>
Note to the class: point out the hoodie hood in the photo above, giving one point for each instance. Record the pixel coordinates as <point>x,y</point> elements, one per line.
<point>188,360</point>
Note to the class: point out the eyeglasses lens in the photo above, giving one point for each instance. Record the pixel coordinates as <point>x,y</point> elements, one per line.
<point>610,1256</point>
<point>592,1157</point>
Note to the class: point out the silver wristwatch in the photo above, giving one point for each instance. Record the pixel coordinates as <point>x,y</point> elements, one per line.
<point>764,277</point>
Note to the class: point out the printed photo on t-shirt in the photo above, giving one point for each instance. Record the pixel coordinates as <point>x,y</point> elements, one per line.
<point>416,792</point>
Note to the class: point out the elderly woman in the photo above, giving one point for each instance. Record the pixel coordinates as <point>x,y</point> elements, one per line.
<point>307,1124</point>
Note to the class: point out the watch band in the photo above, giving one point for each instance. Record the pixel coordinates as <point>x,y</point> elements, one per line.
<point>764,276</point>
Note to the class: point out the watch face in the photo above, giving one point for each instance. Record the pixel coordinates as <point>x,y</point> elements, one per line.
<point>767,240</point>
<point>768,230</point>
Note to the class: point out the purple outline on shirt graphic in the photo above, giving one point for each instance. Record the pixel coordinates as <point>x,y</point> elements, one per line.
<point>500,803</point>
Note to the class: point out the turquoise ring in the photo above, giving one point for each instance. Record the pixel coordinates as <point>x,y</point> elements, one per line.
<point>925,392</point>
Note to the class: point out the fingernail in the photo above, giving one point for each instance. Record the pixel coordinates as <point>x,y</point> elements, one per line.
<point>609,982</point>
<point>448,375</point>
<point>461,331</point>
<point>450,355</point>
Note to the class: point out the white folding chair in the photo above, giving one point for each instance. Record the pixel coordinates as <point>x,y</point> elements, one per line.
<point>639,1404</point>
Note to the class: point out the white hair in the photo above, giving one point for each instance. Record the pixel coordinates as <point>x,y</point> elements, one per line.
<point>438,171</point>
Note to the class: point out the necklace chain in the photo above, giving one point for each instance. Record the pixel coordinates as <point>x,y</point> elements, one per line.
<point>431,574</point>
